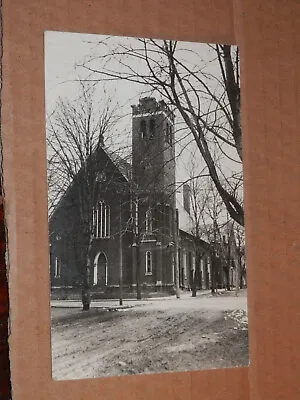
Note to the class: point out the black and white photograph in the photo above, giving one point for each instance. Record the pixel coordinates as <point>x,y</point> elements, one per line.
<point>147,257</point>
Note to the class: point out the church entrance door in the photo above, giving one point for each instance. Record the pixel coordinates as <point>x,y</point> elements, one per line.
<point>100,275</point>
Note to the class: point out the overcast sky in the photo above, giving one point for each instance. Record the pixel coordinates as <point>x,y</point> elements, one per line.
<point>63,51</point>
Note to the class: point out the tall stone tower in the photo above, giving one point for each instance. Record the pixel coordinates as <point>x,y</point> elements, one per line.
<point>153,150</point>
<point>153,173</point>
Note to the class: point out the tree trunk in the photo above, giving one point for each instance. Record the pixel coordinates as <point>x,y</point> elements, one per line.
<point>227,275</point>
<point>213,274</point>
<point>196,274</point>
<point>175,257</point>
<point>237,277</point>
<point>194,283</point>
<point>176,267</point>
<point>237,267</point>
<point>86,296</point>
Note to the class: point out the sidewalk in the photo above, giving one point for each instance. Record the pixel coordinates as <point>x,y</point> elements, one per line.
<point>114,304</point>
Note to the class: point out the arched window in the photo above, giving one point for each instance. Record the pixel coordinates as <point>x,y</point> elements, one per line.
<point>143,128</point>
<point>148,263</point>
<point>101,220</point>
<point>148,221</point>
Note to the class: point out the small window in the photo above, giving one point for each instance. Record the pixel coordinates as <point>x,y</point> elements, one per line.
<point>148,263</point>
<point>143,128</point>
<point>148,221</point>
<point>57,268</point>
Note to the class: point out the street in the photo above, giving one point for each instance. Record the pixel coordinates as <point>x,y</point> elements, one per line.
<point>154,335</point>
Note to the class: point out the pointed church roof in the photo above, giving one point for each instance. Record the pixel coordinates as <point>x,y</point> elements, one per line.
<point>121,165</point>
<point>119,162</point>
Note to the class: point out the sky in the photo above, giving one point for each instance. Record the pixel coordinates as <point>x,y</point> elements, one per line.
<point>65,52</point>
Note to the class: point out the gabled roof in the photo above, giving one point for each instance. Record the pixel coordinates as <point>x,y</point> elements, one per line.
<point>202,242</point>
<point>119,162</point>
<point>121,165</point>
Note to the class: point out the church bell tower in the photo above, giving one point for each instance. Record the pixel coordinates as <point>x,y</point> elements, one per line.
<point>153,173</point>
<point>153,149</point>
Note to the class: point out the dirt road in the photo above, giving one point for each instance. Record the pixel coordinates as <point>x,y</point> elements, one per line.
<point>152,336</point>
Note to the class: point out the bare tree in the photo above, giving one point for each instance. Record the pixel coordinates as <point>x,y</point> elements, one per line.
<point>208,103</point>
<point>237,249</point>
<point>210,222</point>
<point>76,131</point>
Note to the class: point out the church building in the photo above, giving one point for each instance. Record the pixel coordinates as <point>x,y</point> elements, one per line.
<point>141,235</point>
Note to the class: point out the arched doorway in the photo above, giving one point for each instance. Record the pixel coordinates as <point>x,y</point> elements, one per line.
<point>100,269</point>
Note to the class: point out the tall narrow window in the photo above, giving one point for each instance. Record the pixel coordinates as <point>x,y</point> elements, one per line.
<point>168,134</point>
<point>152,128</point>
<point>148,221</point>
<point>101,220</point>
<point>143,128</point>
<point>57,268</point>
<point>148,263</point>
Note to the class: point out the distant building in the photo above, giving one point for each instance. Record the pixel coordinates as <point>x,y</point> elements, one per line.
<point>145,212</point>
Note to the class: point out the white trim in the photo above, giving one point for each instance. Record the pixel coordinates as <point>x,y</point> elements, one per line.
<point>101,219</point>
<point>148,114</point>
<point>95,280</point>
<point>102,222</point>
<point>108,230</point>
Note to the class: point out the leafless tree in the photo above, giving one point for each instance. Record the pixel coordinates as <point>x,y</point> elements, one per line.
<point>207,102</point>
<point>76,130</point>
<point>210,221</point>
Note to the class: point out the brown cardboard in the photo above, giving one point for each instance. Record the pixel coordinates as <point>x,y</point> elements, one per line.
<point>268,35</point>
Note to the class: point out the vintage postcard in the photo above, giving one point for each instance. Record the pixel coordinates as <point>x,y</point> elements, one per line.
<point>147,255</point>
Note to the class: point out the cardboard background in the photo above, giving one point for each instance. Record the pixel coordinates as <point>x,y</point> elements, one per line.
<point>267,32</point>
<point>4,307</point>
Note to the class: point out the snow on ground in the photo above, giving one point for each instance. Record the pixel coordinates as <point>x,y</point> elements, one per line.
<point>155,335</point>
